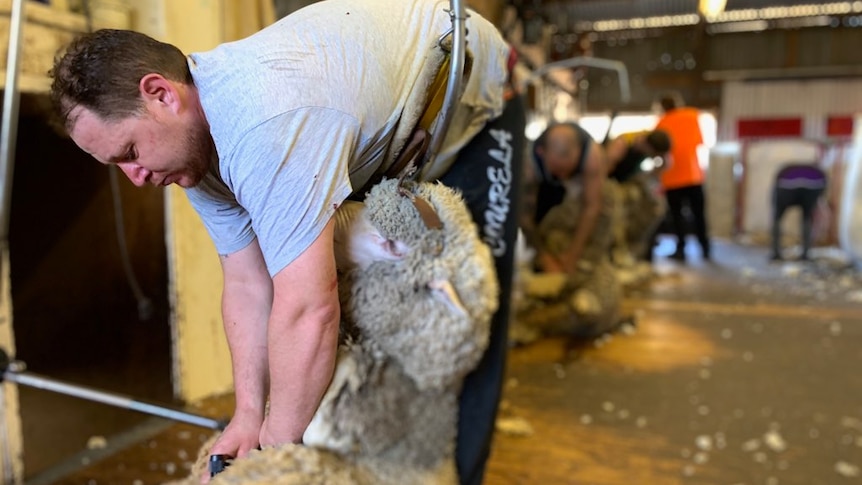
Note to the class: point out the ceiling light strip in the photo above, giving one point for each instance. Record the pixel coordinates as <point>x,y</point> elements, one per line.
<point>742,15</point>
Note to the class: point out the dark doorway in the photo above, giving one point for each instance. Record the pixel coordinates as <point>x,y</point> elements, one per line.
<point>75,314</point>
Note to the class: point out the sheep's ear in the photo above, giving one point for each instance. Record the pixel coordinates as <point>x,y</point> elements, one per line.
<point>394,248</point>
<point>445,292</point>
<point>427,213</point>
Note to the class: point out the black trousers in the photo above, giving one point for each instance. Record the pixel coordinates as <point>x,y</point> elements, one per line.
<point>488,173</point>
<point>677,200</point>
<point>783,199</point>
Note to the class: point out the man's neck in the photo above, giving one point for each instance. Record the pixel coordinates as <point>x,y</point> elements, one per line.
<point>193,101</point>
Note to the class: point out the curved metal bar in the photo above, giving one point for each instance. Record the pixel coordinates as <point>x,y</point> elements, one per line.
<point>599,63</point>
<point>458,15</point>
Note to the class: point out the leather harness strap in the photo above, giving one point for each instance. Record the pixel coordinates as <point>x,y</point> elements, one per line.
<point>415,148</point>
<point>438,94</point>
<point>412,156</point>
<point>409,161</point>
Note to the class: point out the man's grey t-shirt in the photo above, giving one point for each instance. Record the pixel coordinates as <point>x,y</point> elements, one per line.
<point>309,108</point>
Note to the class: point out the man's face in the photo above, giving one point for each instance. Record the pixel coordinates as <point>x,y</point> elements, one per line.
<point>561,151</point>
<point>154,147</point>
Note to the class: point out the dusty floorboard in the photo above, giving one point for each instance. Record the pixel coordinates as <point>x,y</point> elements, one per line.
<point>730,378</point>
<point>737,373</point>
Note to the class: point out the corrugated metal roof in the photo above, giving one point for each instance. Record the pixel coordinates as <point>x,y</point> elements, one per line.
<point>593,10</point>
<point>621,9</point>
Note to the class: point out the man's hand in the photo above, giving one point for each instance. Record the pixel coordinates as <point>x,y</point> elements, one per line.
<point>246,303</point>
<point>569,263</point>
<point>549,264</point>
<point>559,264</point>
<point>272,430</point>
<point>240,437</point>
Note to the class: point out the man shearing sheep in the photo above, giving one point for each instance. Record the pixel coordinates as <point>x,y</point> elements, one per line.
<point>269,135</point>
<point>564,154</point>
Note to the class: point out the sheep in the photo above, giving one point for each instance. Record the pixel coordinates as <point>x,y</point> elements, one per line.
<point>357,243</point>
<point>416,309</point>
<point>636,212</point>
<point>446,270</point>
<point>586,303</point>
<point>556,228</point>
<point>643,210</point>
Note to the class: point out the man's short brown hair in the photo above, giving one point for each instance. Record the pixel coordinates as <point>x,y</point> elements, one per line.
<point>101,71</point>
<point>659,140</point>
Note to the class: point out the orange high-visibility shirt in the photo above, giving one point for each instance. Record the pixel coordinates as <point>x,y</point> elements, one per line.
<point>684,130</point>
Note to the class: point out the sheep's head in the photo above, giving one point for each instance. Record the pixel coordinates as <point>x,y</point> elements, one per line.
<point>430,308</point>
<point>357,243</point>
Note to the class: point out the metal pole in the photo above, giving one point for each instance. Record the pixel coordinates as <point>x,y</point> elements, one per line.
<point>112,399</point>
<point>8,134</point>
<point>456,77</point>
<point>619,67</point>
<point>9,130</point>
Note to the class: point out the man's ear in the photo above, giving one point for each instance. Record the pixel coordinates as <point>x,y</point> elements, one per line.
<point>540,151</point>
<point>155,88</point>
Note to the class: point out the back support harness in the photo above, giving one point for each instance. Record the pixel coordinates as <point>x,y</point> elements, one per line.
<point>409,162</point>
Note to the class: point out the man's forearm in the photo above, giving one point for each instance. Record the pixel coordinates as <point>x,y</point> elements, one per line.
<point>581,236</point>
<point>245,314</point>
<point>302,351</point>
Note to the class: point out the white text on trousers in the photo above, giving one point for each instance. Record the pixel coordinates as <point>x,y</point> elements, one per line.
<point>499,201</point>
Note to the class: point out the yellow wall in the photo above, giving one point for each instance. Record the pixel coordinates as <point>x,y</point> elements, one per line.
<point>11,465</point>
<point>201,357</point>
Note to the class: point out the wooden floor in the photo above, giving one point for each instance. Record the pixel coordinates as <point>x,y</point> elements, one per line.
<point>737,372</point>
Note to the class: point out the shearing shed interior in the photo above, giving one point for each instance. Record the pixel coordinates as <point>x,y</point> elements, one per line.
<point>677,300</point>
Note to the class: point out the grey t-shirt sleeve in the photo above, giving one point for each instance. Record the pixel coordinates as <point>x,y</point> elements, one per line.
<point>228,223</point>
<point>290,174</point>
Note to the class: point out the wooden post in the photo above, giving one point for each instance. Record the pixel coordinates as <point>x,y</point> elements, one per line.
<point>11,444</point>
<point>202,365</point>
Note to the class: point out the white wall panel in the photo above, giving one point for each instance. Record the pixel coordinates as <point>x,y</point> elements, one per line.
<point>813,101</point>
<point>763,160</point>
<point>850,223</point>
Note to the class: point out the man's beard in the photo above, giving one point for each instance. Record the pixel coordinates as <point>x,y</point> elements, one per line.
<point>201,149</point>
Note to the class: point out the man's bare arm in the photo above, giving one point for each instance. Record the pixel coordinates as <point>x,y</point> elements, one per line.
<point>593,178</point>
<point>246,303</point>
<point>302,339</point>
<point>615,152</point>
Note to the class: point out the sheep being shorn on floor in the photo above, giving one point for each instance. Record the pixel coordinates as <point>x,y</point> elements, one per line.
<point>637,213</point>
<point>415,321</point>
<point>644,209</point>
<point>586,303</point>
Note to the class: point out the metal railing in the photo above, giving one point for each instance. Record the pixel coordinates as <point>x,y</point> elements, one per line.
<point>582,61</point>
